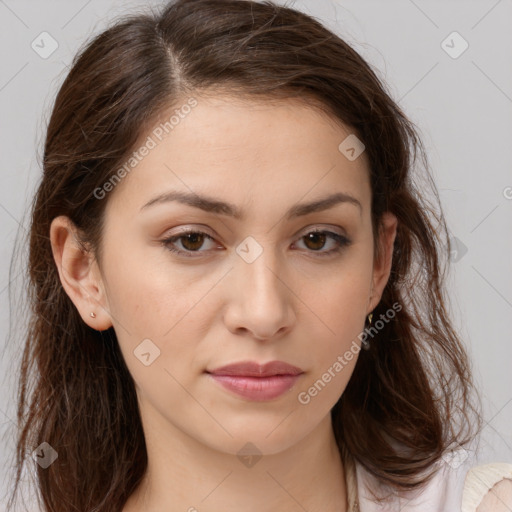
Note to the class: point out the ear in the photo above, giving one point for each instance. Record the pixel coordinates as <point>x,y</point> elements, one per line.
<point>382,264</point>
<point>79,274</point>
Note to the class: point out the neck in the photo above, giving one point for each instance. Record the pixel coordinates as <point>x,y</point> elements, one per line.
<point>186,475</point>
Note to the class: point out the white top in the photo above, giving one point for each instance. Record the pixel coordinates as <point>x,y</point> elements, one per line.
<point>458,486</point>
<point>482,478</point>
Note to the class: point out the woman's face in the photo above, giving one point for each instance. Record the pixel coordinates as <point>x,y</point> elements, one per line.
<point>258,287</point>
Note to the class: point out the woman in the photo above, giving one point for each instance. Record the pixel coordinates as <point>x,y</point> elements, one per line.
<point>237,286</point>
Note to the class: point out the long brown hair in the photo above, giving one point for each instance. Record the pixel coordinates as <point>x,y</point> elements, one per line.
<point>411,387</point>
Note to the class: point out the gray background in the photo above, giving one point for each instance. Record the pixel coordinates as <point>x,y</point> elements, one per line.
<point>462,106</point>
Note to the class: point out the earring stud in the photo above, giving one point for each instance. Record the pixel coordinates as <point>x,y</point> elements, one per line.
<point>93,315</point>
<point>370,316</point>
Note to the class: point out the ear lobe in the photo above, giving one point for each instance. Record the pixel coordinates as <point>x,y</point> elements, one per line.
<point>382,265</point>
<point>79,274</point>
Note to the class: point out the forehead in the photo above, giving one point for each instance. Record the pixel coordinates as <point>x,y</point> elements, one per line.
<point>242,149</point>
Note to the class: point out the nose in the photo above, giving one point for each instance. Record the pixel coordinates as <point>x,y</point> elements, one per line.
<point>261,298</point>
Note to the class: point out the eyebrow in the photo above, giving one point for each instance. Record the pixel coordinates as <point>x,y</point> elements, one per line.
<point>213,205</point>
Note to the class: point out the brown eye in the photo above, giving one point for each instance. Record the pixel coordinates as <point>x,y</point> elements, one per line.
<point>192,241</point>
<point>315,240</point>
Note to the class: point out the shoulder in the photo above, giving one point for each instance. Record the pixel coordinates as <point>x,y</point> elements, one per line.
<point>488,488</point>
<point>442,492</point>
<point>457,481</point>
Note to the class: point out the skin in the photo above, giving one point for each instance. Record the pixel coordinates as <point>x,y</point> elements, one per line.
<point>289,304</point>
<point>498,499</point>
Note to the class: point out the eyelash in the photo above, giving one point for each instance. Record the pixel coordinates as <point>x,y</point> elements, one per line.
<point>342,242</point>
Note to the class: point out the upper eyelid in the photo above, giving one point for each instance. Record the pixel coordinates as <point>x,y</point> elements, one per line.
<point>305,230</point>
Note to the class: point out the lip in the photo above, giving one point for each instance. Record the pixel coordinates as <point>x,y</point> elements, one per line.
<point>257,382</point>
<point>253,369</point>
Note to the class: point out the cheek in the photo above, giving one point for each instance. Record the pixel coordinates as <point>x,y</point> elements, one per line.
<point>173,309</point>
<point>146,292</point>
<point>340,296</point>
<point>339,304</point>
